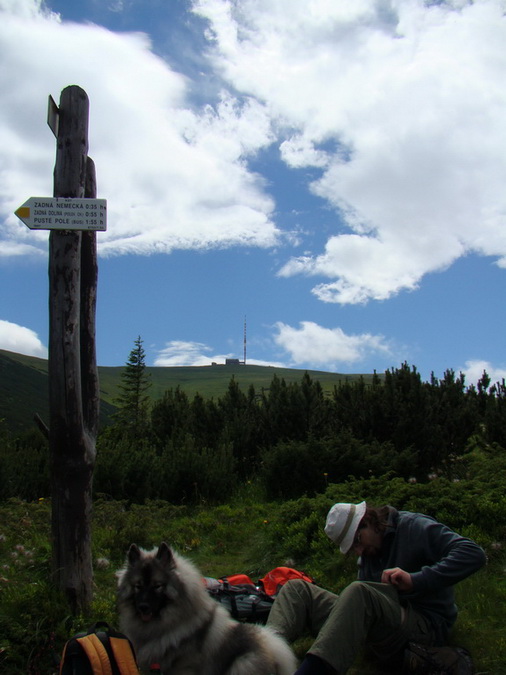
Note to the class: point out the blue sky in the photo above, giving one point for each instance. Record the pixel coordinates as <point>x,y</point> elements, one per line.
<point>333,172</point>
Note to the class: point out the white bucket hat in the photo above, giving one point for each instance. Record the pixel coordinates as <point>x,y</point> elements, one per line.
<point>342,523</point>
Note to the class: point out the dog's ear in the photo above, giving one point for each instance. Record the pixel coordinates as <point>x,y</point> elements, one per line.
<point>164,555</point>
<point>134,554</point>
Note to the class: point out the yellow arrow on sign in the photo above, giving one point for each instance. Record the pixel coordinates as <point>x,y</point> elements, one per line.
<point>23,212</point>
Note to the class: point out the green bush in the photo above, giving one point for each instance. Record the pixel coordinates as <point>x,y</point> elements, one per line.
<point>295,468</point>
<point>24,466</point>
<point>181,472</point>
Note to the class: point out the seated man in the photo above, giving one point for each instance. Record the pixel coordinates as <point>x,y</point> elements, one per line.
<point>407,568</point>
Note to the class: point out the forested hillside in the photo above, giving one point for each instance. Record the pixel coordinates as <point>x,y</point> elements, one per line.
<point>294,438</point>
<point>24,384</point>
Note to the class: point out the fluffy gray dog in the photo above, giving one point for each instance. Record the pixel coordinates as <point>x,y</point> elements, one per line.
<point>171,620</point>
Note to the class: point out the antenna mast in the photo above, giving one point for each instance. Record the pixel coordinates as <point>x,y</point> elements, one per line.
<point>245,340</point>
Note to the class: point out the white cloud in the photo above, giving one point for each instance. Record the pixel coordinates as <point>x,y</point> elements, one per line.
<point>12,249</point>
<point>186,353</point>
<point>474,370</point>
<point>411,97</point>
<point>270,364</point>
<point>366,267</point>
<point>173,178</point>
<point>330,348</point>
<point>299,152</point>
<point>27,9</point>
<point>21,340</point>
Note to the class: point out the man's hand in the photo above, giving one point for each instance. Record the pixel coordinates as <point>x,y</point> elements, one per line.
<point>398,578</point>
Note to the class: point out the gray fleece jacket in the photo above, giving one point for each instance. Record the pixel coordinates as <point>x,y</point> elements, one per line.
<point>436,557</point>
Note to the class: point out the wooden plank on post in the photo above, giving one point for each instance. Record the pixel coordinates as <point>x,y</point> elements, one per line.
<point>72,429</point>
<point>89,278</point>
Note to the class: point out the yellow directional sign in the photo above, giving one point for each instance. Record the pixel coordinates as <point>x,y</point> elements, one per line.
<point>63,213</point>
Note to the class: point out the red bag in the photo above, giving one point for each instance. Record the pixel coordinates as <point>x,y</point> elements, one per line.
<point>277,577</point>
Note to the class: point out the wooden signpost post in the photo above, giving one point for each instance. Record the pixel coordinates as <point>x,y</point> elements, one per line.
<point>73,379</point>
<point>73,376</point>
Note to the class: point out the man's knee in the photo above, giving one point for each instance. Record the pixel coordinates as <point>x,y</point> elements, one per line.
<point>294,587</point>
<point>369,594</point>
<point>296,583</point>
<point>378,602</point>
<point>289,613</point>
<point>355,590</point>
<point>295,598</point>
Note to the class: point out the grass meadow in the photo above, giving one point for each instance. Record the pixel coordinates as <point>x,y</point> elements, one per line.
<point>247,535</point>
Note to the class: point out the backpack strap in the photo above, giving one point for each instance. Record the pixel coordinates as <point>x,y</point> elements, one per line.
<point>124,657</point>
<point>96,653</point>
<point>60,669</point>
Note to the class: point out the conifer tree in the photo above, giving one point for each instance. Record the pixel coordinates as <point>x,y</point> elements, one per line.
<point>133,400</point>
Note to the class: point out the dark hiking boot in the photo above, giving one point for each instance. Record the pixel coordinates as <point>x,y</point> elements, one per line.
<point>423,660</point>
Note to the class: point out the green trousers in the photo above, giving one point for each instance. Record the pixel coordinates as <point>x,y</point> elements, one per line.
<point>364,614</point>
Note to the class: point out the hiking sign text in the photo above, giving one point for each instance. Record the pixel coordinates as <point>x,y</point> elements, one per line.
<point>64,213</point>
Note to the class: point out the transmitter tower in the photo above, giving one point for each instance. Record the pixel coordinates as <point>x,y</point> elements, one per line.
<point>244,341</point>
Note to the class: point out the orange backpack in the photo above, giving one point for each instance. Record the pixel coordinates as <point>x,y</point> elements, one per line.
<point>277,577</point>
<point>100,650</point>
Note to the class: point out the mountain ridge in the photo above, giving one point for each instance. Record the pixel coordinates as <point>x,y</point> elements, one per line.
<point>24,384</point>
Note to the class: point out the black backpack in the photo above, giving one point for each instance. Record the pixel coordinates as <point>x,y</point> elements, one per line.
<point>100,650</point>
<point>245,602</point>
